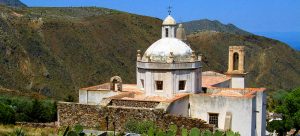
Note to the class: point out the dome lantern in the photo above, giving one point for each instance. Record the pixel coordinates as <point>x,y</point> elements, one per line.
<point>168,27</point>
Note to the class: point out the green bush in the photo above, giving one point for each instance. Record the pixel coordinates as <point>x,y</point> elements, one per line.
<point>7,114</point>
<point>18,132</point>
<point>27,110</point>
<point>139,127</point>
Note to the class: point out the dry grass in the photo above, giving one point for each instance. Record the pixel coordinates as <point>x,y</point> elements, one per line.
<point>7,130</point>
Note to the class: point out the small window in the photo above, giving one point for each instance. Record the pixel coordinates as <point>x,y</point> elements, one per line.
<point>167,32</point>
<point>182,85</point>
<point>213,119</point>
<point>142,82</point>
<point>159,85</point>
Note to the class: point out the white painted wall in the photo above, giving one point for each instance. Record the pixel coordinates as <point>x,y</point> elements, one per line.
<point>83,96</point>
<point>237,82</point>
<point>180,107</point>
<point>94,96</point>
<point>242,109</point>
<point>171,31</point>
<point>170,80</point>
<point>261,102</point>
<point>225,84</point>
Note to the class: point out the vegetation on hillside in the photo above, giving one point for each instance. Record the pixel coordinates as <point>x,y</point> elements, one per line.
<point>12,3</point>
<point>208,25</point>
<point>55,51</point>
<point>268,63</point>
<point>21,109</point>
<point>289,107</point>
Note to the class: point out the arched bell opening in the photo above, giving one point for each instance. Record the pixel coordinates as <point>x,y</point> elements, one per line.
<point>116,83</point>
<point>235,61</point>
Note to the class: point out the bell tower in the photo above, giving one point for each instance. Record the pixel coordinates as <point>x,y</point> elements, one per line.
<point>236,62</point>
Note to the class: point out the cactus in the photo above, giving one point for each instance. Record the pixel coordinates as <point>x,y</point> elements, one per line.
<point>218,133</point>
<point>172,130</point>
<point>72,133</point>
<point>78,128</point>
<point>231,133</point>
<point>151,131</point>
<point>206,133</point>
<point>184,132</point>
<point>160,133</point>
<point>195,132</point>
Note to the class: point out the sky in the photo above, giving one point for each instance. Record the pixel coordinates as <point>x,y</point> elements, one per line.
<point>264,17</point>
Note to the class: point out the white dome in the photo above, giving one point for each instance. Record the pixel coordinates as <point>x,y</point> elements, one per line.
<point>161,49</point>
<point>169,20</point>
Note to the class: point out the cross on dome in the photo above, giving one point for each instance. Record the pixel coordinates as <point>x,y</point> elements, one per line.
<point>169,10</point>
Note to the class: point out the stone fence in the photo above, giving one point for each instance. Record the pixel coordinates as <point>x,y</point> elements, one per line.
<point>130,103</point>
<point>95,116</point>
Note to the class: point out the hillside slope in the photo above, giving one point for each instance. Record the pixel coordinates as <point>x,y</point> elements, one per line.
<point>208,25</point>
<point>55,51</point>
<point>269,63</point>
<point>12,3</point>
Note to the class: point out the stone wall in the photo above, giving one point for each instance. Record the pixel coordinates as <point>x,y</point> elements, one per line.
<point>102,117</point>
<point>74,113</point>
<point>130,103</point>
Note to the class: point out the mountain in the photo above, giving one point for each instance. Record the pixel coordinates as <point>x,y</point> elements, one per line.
<point>205,24</point>
<point>269,63</point>
<point>56,51</point>
<point>12,3</point>
<point>291,38</point>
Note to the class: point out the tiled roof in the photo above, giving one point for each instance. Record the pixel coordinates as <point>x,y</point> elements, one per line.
<point>211,78</point>
<point>233,92</point>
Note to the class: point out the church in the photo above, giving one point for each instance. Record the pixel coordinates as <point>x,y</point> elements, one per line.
<point>169,76</point>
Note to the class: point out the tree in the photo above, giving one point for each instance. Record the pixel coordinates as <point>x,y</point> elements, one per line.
<point>290,110</point>
<point>7,114</point>
<point>36,112</point>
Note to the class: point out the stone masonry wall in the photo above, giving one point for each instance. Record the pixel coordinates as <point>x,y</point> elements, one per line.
<point>74,113</point>
<point>130,103</point>
<point>100,117</point>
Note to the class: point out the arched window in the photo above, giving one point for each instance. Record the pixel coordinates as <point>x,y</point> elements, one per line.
<point>116,83</point>
<point>235,61</point>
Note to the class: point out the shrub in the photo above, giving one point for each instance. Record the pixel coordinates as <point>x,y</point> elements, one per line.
<point>27,110</point>
<point>139,127</point>
<point>7,114</point>
<point>18,132</point>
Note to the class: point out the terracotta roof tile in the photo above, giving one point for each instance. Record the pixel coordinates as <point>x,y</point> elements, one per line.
<point>211,78</point>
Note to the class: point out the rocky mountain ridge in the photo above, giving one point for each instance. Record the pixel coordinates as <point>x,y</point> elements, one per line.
<point>56,51</point>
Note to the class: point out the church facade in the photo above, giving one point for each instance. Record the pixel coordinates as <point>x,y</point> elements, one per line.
<point>169,71</point>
